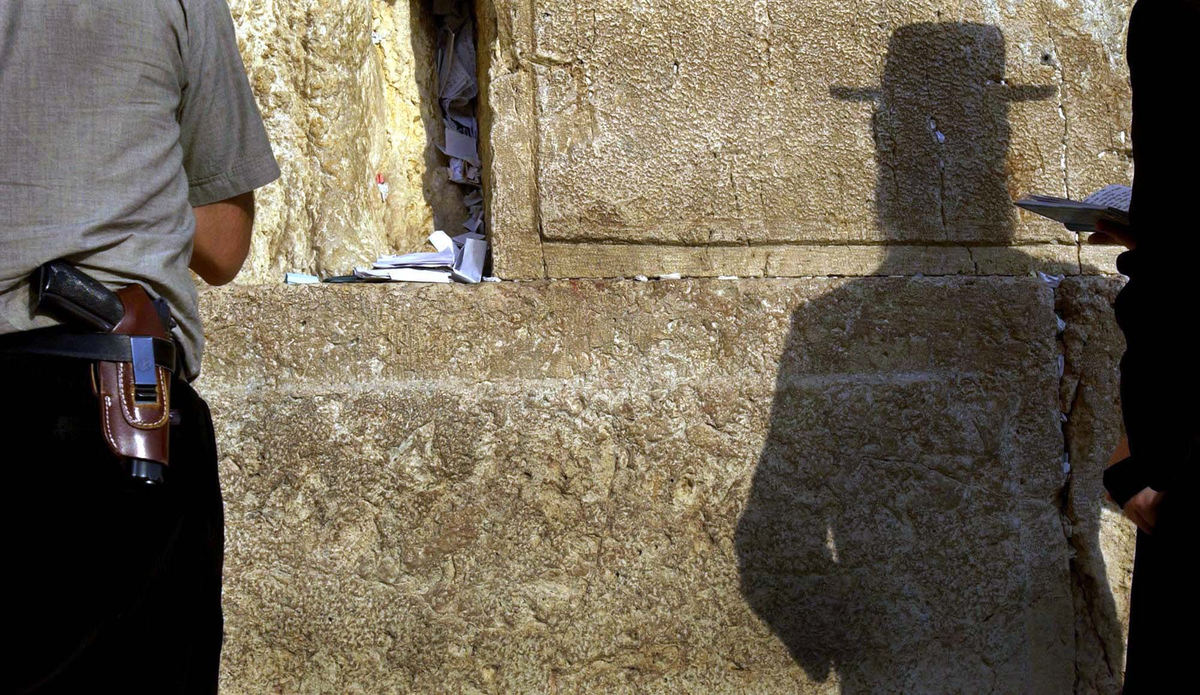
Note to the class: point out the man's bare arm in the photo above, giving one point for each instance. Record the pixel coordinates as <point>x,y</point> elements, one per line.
<point>222,239</point>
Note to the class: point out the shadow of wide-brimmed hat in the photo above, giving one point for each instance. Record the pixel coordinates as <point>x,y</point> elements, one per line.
<point>946,54</point>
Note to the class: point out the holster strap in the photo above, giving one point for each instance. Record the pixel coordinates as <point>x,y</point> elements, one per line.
<point>94,347</point>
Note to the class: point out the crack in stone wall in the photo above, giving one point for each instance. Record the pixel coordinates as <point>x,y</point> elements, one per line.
<point>1102,540</point>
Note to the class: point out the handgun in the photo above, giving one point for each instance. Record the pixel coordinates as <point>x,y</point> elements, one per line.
<point>132,365</point>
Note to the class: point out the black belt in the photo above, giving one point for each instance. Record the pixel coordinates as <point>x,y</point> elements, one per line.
<point>94,347</point>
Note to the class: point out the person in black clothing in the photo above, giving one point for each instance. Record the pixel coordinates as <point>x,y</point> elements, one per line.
<point>1152,473</point>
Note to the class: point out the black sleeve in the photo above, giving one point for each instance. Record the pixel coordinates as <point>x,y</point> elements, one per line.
<point>1124,479</point>
<point>1159,375</point>
<point>1164,67</point>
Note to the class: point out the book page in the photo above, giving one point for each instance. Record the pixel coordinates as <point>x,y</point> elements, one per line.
<point>1115,196</point>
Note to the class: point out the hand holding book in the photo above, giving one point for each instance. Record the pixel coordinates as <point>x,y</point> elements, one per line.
<point>1113,234</point>
<point>1106,212</point>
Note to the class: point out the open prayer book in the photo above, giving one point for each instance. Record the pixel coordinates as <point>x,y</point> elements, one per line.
<point>1109,204</point>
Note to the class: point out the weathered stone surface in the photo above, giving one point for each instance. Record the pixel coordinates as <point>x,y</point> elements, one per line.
<point>730,123</point>
<point>692,125</point>
<point>570,260</point>
<point>340,109</point>
<point>704,486</point>
<point>769,486</point>
<point>510,148</point>
<point>1101,539</point>
<point>1100,260</point>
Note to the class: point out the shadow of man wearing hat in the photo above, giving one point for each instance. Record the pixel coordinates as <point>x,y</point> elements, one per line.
<point>884,537</point>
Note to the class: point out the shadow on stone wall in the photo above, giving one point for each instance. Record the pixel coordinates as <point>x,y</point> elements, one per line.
<point>882,540</point>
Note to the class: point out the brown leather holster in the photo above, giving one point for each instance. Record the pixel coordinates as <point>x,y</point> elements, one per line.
<point>135,419</point>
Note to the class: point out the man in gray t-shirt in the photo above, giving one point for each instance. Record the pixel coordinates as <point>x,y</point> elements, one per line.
<point>116,119</point>
<point>130,145</point>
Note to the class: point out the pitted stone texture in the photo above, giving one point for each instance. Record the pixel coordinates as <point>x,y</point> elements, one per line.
<point>697,486</point>
<point>368,335</point>
<point>710,124</point>
<point>765,121</point>
<point>567,259</point>
<point>753,123</point>
<point>1101,538</point>
<point>345,90</point>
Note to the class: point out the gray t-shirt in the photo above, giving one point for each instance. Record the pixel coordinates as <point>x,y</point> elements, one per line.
<point>117,116</point>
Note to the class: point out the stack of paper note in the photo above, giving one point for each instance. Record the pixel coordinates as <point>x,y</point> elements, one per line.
<point>459,258</point>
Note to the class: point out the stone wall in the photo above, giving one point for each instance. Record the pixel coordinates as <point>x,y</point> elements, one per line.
<point>804,485</point>
<point>772,485</point>
<point>789,482</point>
<point>750,138</point>
<point>347,92</point>
<point>717,138</point>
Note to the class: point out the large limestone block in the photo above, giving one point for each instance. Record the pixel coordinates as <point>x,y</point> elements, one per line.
<point>1102,540</point>
<point>748,123</point>
<point>697,486</point>
<point>736,121</point>
<point>347,93</point>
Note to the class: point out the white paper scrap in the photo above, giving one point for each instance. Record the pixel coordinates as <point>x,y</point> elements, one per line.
<point>469,267</point>
<point>441,240</point>
<point>1053,281</point>
<point>461,146</point>
<point>424,259</point>
<point>444,257</point>
<point>300,279</point>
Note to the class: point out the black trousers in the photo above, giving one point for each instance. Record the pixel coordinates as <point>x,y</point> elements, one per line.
<point>1162,612</point>
<point>1160,373</point>
<point>117,587</point>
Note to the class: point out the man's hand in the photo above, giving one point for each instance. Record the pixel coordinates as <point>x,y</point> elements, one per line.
<point>222,238</point>
<point>1113,234</point>
<point>1142,508</point>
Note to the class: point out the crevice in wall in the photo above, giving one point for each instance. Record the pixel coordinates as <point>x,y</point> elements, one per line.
<point>409,169</point>
<point>444,198</point>
<point>1090,344</point>
<point>458,99</point>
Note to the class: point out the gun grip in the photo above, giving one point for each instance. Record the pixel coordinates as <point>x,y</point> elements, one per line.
<point>61,290</point>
